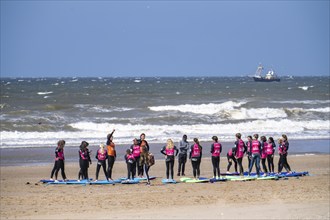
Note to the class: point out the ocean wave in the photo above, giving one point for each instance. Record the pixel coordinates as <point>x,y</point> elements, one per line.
<point>102,108</point>
<point>45,93</point>
<point>95,133</point>
<point>207,109</point>
<point>306,102</point>
<point>321,110</point>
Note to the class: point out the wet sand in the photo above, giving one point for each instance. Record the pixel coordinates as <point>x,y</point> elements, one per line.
<point>296,198</point>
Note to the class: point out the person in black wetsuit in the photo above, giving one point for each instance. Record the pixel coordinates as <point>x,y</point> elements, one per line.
<point>216,149</point>
<point>144,149</point>
<point>111,153</point>
<point>130,162</point>
<point>101,156</point>
<point>264,147</point>
<point>283,153</point>
<point>84,160</point>
<point>248,145</point>
<point>59,161</point>
<point>182,159</point>
<point>196,156</point>
<point>170,151</point>
<point>270,154</point>
<point>286,144</point>
<point>240,149</point>
<point>135,148</point>
<point>230,158</point>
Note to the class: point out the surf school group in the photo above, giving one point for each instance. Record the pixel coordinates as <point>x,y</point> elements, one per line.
<point>139,159</point>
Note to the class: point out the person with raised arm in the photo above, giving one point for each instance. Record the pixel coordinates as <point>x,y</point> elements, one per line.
<point>111,153</point>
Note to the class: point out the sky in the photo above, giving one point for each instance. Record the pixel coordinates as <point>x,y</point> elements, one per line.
<point>163,38</point>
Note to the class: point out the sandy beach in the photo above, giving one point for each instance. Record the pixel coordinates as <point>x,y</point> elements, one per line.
<point>296,198</point>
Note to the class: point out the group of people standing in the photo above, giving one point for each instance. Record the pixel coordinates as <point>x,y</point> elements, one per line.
<point>139,159</point>
<point>254,149</point>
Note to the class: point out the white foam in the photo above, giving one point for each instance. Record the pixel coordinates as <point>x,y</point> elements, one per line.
<point>305,88</point>
<point>206,109</point>
<point>322,110</point>
<point>45,93</point>
<point>95,133</point>
<point>226,110</point>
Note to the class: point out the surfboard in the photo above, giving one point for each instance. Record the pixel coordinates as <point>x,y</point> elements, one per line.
<point>69,182</point>
<point>52,181</point>
<point>145,178</point>
<point>129,181</point>
<point>293,174</point>
<point>193,180</point>
<point>102,182</point>
<point>267,178</point>
<point>221,179</point>
<point>240,178</point>
<point>78,182</point>
<point>167,181</point>
<point>140,178</point>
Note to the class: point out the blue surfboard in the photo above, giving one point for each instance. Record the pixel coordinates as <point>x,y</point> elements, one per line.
<point>221,179</point>
<point>168,181</point>
<point>129,181</point>
<point>102,182</point>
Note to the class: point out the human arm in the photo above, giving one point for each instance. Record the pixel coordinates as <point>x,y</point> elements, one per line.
<point>163,150</point>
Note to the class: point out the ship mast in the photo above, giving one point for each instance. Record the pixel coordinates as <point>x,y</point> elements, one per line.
<point>259,70</point>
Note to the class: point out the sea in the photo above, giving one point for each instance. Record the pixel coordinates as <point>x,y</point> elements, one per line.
<point>37,112</point>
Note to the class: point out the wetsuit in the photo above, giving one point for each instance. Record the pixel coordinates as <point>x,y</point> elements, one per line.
<point>248,151</point>
<point>230,158</point>
<point>170,158</point>
<point>101,161</point>
<point>136,153</point>
<point>144,149</point>
<point>111,157</point>
<point>264,146</point>
<point>216,149</point>
<point>130,161</point>
<point>145,165</point>
<point>270,156</point>
<point>111,154</point>
<point>283,152</point>
<point>184,147</point>
<point>239,151</point>
<point>84,160</point>
<point>59,163</point>
<point>255,151</point>
<point>195,155</point>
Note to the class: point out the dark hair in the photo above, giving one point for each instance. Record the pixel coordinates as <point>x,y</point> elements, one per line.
<point>142,134</point>
<point>256,136</point>
<point>196,141</point>
<point>271,139</point>
<point>128,151</point>
<point>238,135</point>
<point>83,145</point>
<point>215,138</point>
<point>263,138</point>
<point>184,136</point>
<point>285,137</point>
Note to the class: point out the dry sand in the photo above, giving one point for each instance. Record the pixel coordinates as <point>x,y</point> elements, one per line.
<point>296,198</point>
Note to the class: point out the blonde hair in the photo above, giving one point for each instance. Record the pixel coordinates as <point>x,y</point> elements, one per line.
<point>280,140</point>
<point>102,148</point>
<point>169,144</point>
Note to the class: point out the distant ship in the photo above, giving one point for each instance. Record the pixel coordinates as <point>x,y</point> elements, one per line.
<point>270,76</point>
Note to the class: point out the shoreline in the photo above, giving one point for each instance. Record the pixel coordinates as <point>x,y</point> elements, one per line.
<point>37,155</point>
<point>295,198</point>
